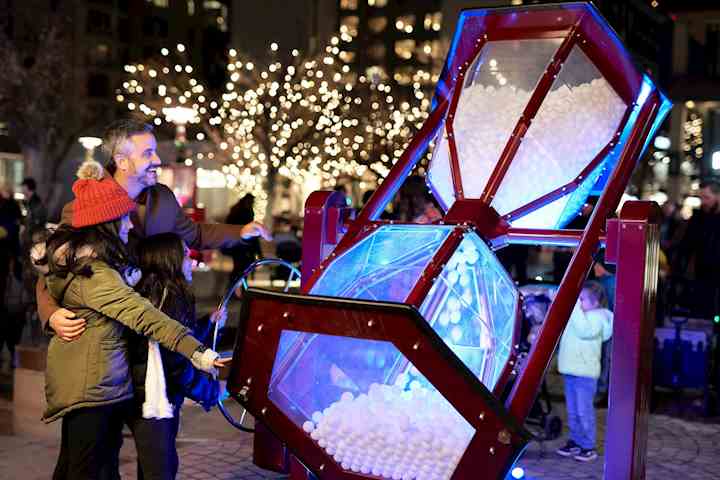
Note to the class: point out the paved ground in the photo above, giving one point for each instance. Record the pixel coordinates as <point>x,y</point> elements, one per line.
<point>210,449</point>
<point>682,444</point>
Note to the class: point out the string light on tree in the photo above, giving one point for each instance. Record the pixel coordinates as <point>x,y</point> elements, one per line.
<point>294,116</point>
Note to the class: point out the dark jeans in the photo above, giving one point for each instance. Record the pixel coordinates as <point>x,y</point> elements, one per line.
<point>87,442</point>
<point>155,445</point>
<point>157,457</point>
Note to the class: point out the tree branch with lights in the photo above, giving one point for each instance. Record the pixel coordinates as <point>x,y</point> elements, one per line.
<point>293,116</point>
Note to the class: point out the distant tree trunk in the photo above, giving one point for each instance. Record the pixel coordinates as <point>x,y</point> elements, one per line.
<point>270,187</point>
<point>40,165</point>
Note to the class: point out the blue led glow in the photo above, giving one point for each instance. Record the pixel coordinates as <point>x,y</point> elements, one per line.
<point>580,195</point>
<point>472,307</point>
<point>613,157</point>
<point>385,265</point>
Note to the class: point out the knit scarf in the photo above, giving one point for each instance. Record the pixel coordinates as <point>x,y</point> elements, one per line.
<point>156,402</point>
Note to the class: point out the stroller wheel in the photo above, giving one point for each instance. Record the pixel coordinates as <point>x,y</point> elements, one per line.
<point>553,428</point>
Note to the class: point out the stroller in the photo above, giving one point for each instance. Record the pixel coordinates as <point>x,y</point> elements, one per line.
<point>541,421</point>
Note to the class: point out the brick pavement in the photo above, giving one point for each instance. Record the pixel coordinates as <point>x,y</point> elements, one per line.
<point>210,449</point>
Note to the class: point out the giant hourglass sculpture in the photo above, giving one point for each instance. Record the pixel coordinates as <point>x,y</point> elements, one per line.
<point>398,360</point>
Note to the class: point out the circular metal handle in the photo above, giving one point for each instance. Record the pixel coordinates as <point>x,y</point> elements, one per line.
<point>242,280</point>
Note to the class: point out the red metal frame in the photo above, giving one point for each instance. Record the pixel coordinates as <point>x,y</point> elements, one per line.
<point>266,314</point>
<point>256,348</point>
<point>323,225</point>
<point>523,394</point>
<point>633,245</point>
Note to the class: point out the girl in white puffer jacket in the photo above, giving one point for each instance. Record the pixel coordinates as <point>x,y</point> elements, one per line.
<point>589,326</point>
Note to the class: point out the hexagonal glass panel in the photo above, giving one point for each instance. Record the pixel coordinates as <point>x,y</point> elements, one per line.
<point>383,266</point>
<point>473,307</point>
<point>353,397</point>
<point>496,90</point>
<point>578,118</point>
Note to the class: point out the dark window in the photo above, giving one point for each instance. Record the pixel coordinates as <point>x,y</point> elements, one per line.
<point>98,23</point>
<point>155,27</point>
<point>150,51</point>
<point>98,85</point>
<point>124,30</point>
<point>124,55</point>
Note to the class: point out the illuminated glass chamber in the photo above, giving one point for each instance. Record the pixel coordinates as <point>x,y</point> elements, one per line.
<point>351,397</point>
<point>472,305</point>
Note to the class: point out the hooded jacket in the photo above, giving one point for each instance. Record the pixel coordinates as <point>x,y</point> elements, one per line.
<point>93,369</point>
<point>581,343</point>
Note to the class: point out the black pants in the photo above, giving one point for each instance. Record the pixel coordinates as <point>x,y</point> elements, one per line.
<point>89,436</point>
<point>157,457</point>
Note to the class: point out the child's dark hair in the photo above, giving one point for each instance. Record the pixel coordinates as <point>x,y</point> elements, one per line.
<point>597,291</point>
<point>160,258</point>
<point>71,250</point>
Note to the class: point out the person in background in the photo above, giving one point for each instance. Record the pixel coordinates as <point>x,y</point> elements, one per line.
<point>579,355</point>
<point>10,217</point>
<point>36,213</point>
<point>415,204</point>
<point>697,257</point>
<point>246,253</point>
<point>671,228</point>
<point>604,274</point>
<point>162,379</point>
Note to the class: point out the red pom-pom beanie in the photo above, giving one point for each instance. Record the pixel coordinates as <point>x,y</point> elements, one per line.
<point>98,197</point>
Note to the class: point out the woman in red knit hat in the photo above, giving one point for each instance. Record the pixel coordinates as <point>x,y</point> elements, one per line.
<point>87,381</point>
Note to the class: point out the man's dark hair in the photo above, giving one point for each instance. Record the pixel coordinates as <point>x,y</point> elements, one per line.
<point>117,133</point>
<point>30,183</point>
<point>712,183</point>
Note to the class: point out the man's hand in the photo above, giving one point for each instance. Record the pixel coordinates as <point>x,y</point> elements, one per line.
<point>255,229</point>
<point>66,326</point>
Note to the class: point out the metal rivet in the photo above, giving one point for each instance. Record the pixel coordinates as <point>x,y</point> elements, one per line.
<point>416,346</point>
<point>370,323</point>
<point>260,327</point>
<point>264,410</point>
<point>481,416</point>
<point>492,450</point>
<point>322,467</point>
<point>249,380</point>
<point>286,315</point>
<point>504,437</point>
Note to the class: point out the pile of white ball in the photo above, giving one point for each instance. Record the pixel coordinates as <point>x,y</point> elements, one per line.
<point>573,124</point>
<point>485,118</point>
<point>404,432</point>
